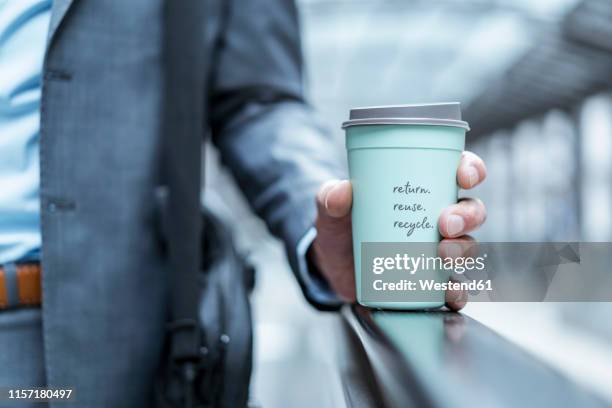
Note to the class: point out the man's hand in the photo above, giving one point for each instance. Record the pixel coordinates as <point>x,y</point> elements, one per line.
<point>332,250</point>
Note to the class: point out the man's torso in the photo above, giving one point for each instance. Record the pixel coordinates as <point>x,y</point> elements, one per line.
<point>108,112</point>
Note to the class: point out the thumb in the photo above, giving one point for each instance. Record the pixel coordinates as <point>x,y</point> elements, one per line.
<point>335,198</point>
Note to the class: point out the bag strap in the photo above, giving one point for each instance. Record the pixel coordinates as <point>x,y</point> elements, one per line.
<point>184,57</point>
<point>181,163</point>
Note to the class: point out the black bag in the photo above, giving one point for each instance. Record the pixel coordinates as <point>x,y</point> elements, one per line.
<point>220,375</point>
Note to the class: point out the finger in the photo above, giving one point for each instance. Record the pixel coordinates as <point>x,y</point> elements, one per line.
<point>471,171</point>
<point>345,288</point>
<point>460,247</point>
<point>456,299</point>
<point>461,218</point>
<point>335,198</point>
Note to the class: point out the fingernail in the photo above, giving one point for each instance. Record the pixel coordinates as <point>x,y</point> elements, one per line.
<point>454,224</point>
<point>325,190</point>
<point>472,173</point>
<point>336,186</point>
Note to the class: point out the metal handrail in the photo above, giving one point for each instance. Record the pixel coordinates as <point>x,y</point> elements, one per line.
<point>444,359</point>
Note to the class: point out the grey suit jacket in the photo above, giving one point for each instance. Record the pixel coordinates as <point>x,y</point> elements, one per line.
<point>121,86</point>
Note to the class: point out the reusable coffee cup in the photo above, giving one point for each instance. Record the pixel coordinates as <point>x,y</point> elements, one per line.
<point>402,164</point>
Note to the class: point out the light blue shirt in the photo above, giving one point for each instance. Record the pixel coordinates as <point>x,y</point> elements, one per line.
<point>23,36</point>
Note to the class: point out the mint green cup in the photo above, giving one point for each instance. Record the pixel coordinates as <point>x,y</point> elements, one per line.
<point>402,164</point>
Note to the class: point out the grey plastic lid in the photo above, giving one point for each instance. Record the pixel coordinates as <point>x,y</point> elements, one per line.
<point>441,114</point>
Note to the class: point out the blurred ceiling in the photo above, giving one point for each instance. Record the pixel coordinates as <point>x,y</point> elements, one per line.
<point>570,62</point>
<point>503,59</point>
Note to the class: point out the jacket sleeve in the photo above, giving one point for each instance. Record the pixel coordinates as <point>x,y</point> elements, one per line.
<point>267,135</point>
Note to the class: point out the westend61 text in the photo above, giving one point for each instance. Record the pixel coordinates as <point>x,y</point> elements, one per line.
<point>432,285</point>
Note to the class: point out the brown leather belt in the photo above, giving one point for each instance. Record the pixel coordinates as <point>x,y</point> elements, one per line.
<point>20,285</point>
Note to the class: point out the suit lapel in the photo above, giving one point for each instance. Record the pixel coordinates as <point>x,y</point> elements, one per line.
<point>58,12</point>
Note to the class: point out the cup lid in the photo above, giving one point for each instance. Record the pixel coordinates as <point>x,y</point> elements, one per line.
<point>440,114</point>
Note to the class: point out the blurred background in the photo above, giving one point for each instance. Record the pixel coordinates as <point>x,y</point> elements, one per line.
<point>534,79</point>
